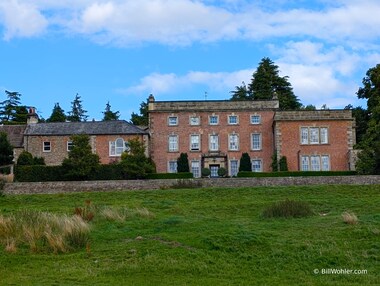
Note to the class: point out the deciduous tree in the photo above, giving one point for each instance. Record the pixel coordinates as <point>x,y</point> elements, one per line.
<point>369,158</point>
<point>141,119</point>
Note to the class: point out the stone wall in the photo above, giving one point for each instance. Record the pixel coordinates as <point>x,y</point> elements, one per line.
<point>104,186</point>
<point>211,105</point>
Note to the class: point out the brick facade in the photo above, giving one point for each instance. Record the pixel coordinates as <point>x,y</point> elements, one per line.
<point>100,144</point>
<point>336,147</point>
<point>172,132</point>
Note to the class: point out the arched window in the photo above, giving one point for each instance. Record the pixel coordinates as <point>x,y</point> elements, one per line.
<point>117,147</point>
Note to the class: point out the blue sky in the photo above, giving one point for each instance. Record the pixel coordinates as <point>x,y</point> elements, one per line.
<point>122,50</point>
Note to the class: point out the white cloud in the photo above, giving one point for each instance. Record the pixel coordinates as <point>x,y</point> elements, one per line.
<point>21,19</point>
<point>182,22</point>
<point>157,83</point>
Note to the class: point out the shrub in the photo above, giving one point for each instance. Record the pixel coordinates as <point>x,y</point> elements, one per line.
<point>222,172</point>
<point>183,163</point>
<point>170,176</point>
<point>287,209</point>
<point>283,164</point>
<point>245,163</point>
<point>25,159</point>
<point>349,218</point>
<point>295,174</point>
<point>205,172</point>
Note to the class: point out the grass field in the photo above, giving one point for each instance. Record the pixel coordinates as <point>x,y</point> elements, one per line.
<point>206,237</point>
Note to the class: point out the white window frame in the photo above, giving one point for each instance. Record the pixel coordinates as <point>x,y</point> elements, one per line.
<point>171,122</point>
<point>233,142</point>
<point>254,143</point>
<point>117,147</point>
<point>172,166</point>
<point>46,146</point>
<point>236,119</point>
<point>195,120</point>
<point>315,163</point>
<point>195,145</point>
<point>324,135</point>
<point>304,134</point>
<point>69,146</point>
<point>325,162</point>
<point>255,122</point>
<point>234,170</point>
<point>173,143</point>
<point>313,135</point>
<point>305,163</point>
<point>260,161</point>
<point>213,144</point>
<point>196,169</point>
<point>211,122</point>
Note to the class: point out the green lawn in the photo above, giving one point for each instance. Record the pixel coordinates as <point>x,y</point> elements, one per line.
<point>208,237</point>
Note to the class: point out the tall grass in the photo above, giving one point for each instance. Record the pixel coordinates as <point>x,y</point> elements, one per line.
<point>42,231</point>
<point>288,209</point>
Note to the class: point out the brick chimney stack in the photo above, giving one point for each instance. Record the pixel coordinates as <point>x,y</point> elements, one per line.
<point>32,117</point>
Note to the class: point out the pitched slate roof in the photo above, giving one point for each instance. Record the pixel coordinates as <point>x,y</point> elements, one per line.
<point>112,127</point>
<point>15,134</point>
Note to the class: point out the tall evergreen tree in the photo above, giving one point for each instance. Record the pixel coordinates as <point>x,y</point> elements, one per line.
<point>241,93</point>
<point>109,114</point>
<point>141,119</point>
<point>245,163</point>
<point>8,107</point>
<point>265,83</point>
<point>6,150</point>
<point>57,115</point>
<point>77,112</point>
<point>369,158</point>
<point>183,163</point>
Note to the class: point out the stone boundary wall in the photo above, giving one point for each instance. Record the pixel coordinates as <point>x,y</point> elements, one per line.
<point>104,186</point>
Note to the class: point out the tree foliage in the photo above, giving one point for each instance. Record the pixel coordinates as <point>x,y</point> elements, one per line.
<point>265,83</point>
<point>27,159</point>
<point>183,163</point>
<point>11,112</point>
<point>81,162</point>
<point>141,119</point>
<point>134,163</point>
<point>108,114</point>
<point>245,163</point>
<point>57,115</point>
<point>77,113</point>
<point>369,158</point>
<point>6,150</point>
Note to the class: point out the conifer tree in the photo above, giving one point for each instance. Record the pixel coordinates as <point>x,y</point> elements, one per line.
<point>265,83</point>
<point>6,150</point>
<point>77,112</point>
<point>57,115</point>
<point>108,114</point>
<point>8,107</point>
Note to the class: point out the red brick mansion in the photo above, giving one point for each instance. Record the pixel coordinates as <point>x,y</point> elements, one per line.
<point>214,134</point>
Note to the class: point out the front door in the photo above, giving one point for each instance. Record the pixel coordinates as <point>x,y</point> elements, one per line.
<point>214,170</point>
